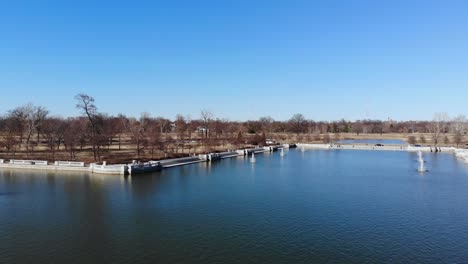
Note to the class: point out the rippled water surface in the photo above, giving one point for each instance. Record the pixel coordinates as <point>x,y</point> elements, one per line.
<point>307,207</point>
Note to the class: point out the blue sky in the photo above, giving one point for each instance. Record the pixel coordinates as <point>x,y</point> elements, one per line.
<point>239,59</point>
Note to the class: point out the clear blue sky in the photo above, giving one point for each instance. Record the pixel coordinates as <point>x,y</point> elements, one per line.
<point>239,59</point>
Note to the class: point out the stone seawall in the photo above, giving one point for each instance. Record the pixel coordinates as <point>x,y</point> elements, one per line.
<point>122,169</point>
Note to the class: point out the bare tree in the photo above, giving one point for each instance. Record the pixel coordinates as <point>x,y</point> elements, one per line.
<point>29,118</point>
<point>298,123</point>
<point>459,125</point>
<point>266,124</point>
<point>422,138</point>
<point>18,120</point>
<point>239,140</point>
<point>336,137</point>
<point>190,126</point>
<point>86,104</point>
<point>412,140</point>
<point>74,134</point>
<point>357,127</point>
<point>163,124</point>
<point>326,138</point>
<point>437,126</point>
<point>36,116</point>
<point>153,138</point>
<point>180,127</point>
<point>316,137</point>
<point>206,117</point>
<point>8,139</point>
<point>53,130</point>
<point>446,140</point>
<point>137,127</point>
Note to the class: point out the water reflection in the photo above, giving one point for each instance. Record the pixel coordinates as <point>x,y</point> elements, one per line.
<point>300,208</point>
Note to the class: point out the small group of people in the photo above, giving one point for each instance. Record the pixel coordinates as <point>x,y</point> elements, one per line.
<point>436,149</point>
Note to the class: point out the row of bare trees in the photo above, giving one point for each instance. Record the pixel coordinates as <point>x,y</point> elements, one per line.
<point>32,130</point>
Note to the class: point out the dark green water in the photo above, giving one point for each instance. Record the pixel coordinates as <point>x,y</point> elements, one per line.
<point>311,207</point>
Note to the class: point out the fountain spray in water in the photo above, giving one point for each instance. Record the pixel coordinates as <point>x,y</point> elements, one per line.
<point>252,159</point>
<point>421,167</point>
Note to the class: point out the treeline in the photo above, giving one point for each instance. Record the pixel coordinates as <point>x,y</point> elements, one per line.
<point>32,129</point>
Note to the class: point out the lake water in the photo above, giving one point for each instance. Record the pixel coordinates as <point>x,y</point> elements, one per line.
<point>374,141</point>
<point>307,207</point>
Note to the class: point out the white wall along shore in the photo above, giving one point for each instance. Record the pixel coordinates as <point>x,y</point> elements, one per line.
<point>134,167</point>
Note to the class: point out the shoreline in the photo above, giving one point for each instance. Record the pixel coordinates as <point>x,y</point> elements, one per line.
<point>124,169</point>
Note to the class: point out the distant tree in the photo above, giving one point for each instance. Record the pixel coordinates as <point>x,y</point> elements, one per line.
<point>446,140</point>
<point>412,140</point>
<point>154,138</point>
<point>253,127</point>
<point>326,138</point>
<point>17,119</point>
<point>335,128</point>
<point>458,138</point>
<point>29,118</point>
<point>298,124</point>
<point>239,139</point>
<point>357,127</point>
<point>119,127</point>
<point>459,125</point>
<point>337,137</point>
<point>299,138</point>
<point>53,131</point>
<point>422,138</point>
<point>206,117</point>
<point>437,126</point>
<point>218,127</point>
<point>316,137</point>
<point>8,140</point>
<point>74,134</point>
<point>181,130</point>
<point>344,126</point>
<point>136,128</point>
<point>191,126</point>
<point>181,126</point>
<point>266,124</point>
<point>163,124</point>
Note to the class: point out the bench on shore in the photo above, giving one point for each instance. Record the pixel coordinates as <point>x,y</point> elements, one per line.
<point>29,162</point>
<point>69,163</point>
